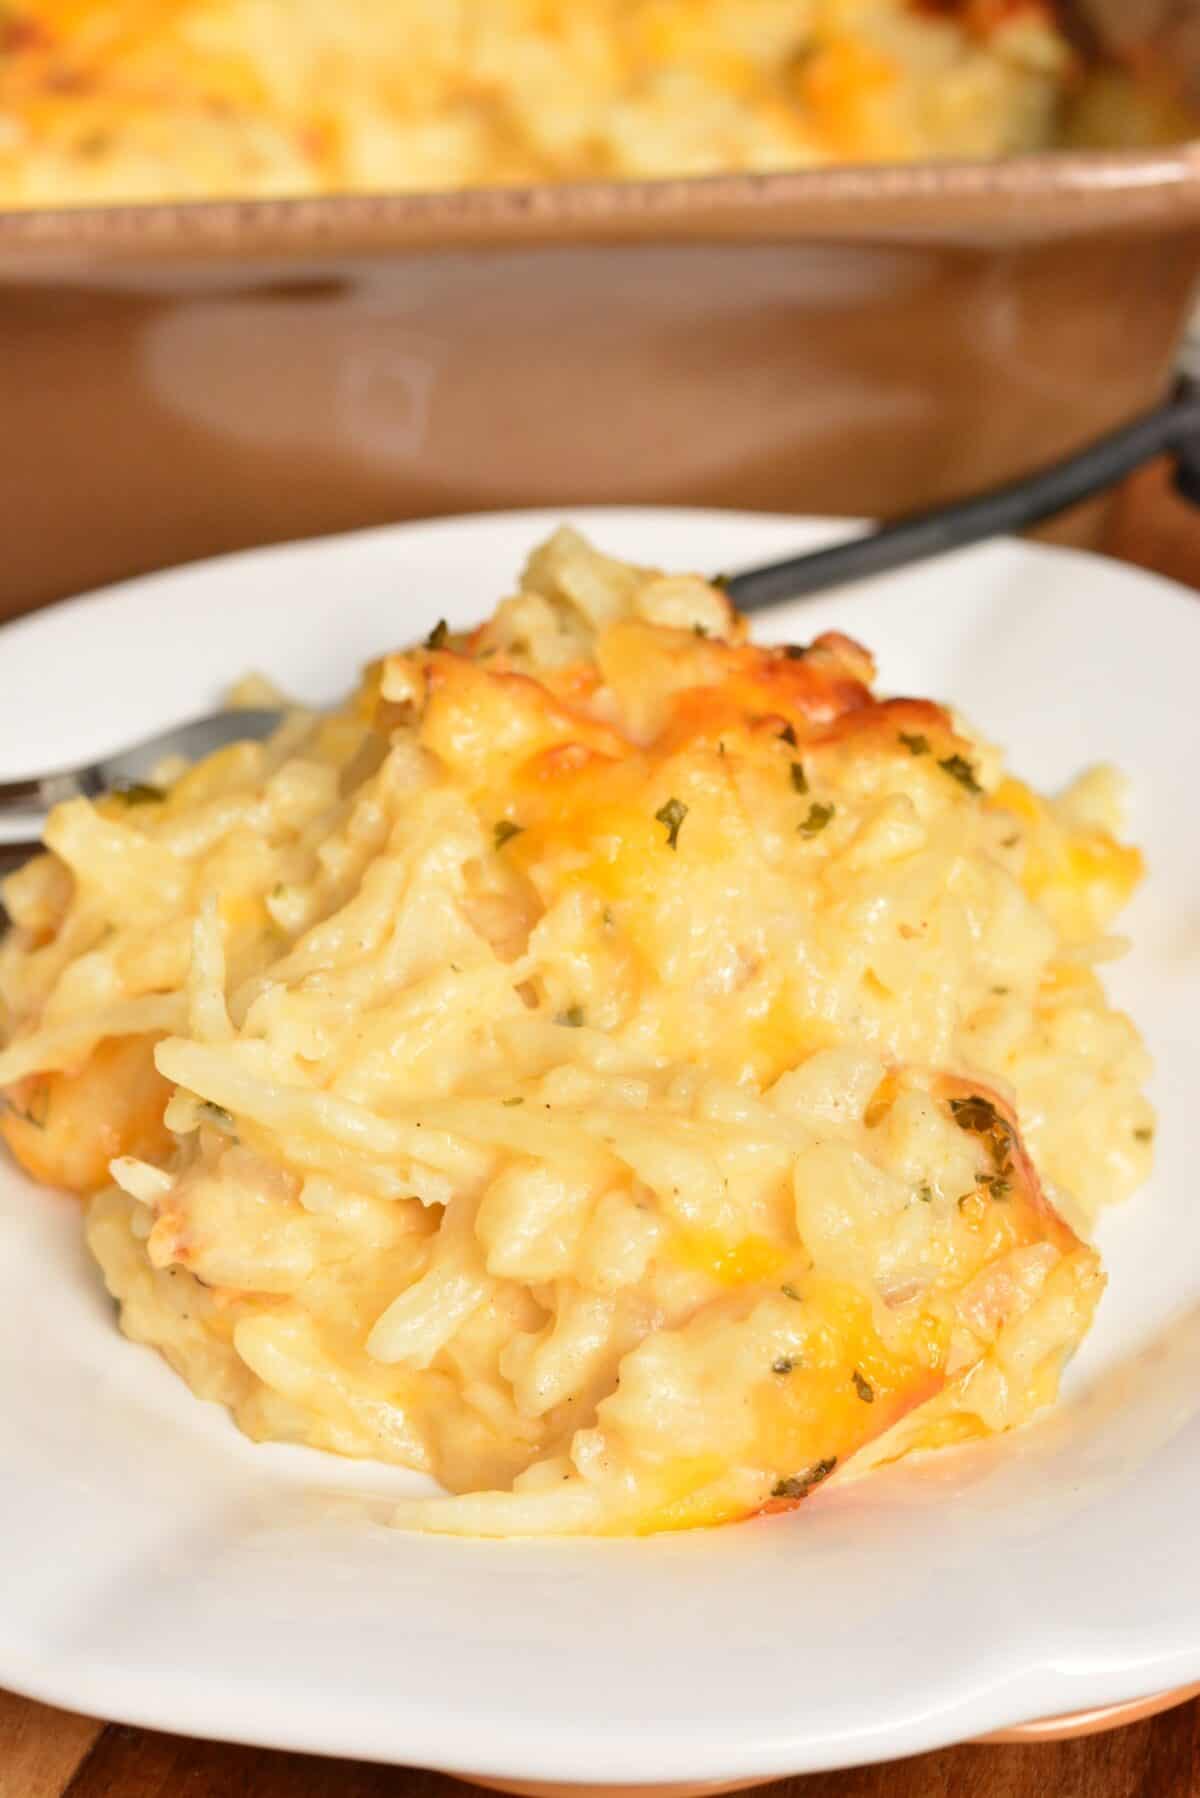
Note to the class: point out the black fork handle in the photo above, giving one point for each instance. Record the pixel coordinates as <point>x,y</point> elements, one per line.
<point>1173,427</point>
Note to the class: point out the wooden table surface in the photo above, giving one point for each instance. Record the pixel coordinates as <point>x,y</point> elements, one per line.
<point>49,1754</point>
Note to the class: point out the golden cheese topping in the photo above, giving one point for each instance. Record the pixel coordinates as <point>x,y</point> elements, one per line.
<point>137,100</point>
<point>630,1073</point>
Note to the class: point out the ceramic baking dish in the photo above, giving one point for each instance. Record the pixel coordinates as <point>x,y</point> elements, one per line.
<point>181,380</point>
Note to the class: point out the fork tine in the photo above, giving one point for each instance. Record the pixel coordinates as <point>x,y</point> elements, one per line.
<point>200,736</point>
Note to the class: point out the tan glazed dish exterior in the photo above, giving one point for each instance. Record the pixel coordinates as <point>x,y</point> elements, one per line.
<point>184,380</point>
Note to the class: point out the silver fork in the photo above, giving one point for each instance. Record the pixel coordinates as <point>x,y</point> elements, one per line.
<point>128,770</point>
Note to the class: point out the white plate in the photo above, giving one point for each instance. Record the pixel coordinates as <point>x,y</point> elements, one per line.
<point>157,1568</point>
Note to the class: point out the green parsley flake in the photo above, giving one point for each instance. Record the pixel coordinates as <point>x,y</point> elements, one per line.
<point>788,735</point>
<point>438,635</point>
<point>505,831</point>
<point>799,1485</point>
<point>864,1388</point>
<point>818,817</point>
<point>979,1117</point>
<point>508,1103</point>
<point>960,769</point>
<point>572,1017</point>
<point>914,742</point>
<point>672,814</point>
<point>783,1365</point>
<point>140,792</point>
<point>789,1292</point>
<point>36,1111</point>
<point>799,777</point>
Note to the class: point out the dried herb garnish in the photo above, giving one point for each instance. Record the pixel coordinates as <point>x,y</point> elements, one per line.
<point>140,792</point>
<point>818,817</point>
<point>799,777</point>
<point>960,769</point>
<point>511,1102</point>
<point>719,581</point>
<point>789,1292</point>
<point>788,735</point>
<point>799,1485</point>
<point>796,652</point>
<point>672,814</point>
<point>783,1365</point>
<point>438,635</point>
<point>505,831</point>
<point>1144,1133</point>
<point>1001,992</point>
<point>925,1193</point>
<point>980,1117</point>
<point>36,1111</point>
<point>572,1017</point>
<point>699,630</point>
<point>914,742</point>
<point>864,1388</point>
<point>1009,842</point>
